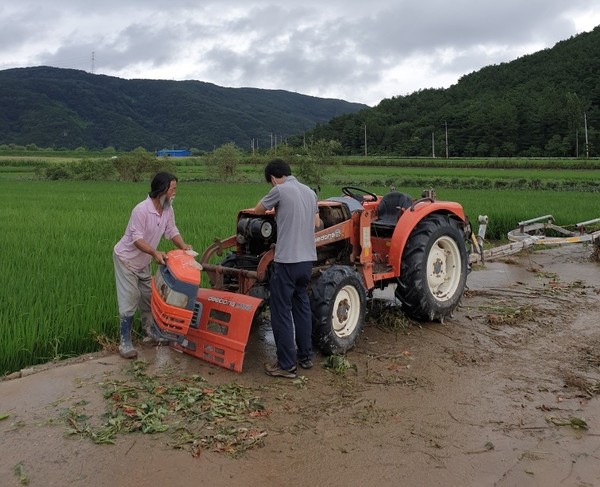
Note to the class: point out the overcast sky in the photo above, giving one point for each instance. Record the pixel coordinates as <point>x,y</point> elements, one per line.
<point>360,51</point>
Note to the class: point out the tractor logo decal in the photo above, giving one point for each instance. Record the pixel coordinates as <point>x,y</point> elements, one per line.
<point>329,236</point>
<point>228,302</point>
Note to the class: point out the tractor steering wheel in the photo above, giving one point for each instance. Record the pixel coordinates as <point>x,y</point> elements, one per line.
<point>350,191</point>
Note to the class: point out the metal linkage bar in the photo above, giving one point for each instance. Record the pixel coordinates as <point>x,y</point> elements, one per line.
<point>530,232</point>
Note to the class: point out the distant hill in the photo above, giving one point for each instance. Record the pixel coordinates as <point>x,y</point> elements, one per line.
<point>533,106</point>
<point>65,108</point>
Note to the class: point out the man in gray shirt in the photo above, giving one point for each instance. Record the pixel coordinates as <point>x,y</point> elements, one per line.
<point>297,215</point>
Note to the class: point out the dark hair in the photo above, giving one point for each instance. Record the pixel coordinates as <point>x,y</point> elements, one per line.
<point>160,184</point>
<point>277,168</point>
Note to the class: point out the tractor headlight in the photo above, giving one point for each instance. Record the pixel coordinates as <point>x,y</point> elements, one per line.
<point>169,295</point>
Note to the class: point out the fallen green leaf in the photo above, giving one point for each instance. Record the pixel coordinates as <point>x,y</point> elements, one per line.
<point>338,364</point>
<point>20,473</point>
<point>577,423</point>
<point>4,416</point>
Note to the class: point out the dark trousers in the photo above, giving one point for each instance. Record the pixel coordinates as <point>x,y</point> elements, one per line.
<point>291,318</point>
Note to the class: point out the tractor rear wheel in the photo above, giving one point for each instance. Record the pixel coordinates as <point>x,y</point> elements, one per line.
<point>338,302</point>
<point>433,269</point>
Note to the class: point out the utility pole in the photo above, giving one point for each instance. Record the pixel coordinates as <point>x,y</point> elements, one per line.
<point>587,152</point>
<point>93,61</point>
<point>366,140</point>
<point>433,144</point>
<point>446,126</point>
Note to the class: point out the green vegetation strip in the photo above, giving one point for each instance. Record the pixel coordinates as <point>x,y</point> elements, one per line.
<point>196,416</point>
<point>553,174</point>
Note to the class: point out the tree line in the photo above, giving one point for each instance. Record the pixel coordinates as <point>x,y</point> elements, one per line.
<point>541,105</point>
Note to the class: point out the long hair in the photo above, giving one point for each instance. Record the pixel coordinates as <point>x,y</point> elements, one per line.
<point>160,184</point>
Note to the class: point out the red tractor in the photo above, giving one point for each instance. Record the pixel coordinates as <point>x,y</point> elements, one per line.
<point>367,242</point>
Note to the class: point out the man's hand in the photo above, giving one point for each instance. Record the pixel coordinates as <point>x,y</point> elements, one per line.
<point>180,244</point>
<point>160,257</point>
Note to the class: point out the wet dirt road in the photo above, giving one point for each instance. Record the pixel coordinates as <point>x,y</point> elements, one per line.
<point>495,396</point>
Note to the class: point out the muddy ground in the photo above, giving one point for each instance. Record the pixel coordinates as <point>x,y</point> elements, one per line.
<point>503,394</point>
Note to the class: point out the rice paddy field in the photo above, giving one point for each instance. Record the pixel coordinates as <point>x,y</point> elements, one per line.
<point>57,287</point>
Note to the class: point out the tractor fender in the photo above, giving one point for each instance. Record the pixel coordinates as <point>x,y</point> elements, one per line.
<point>410,219</point>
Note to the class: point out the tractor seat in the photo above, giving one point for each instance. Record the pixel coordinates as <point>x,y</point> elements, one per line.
<point>390,208</point>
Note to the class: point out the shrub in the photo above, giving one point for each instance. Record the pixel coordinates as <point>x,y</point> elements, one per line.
<point>226,159</point>
<point>318,155</point>
<point>58,171</point>
<point>95,169</point>
<point>140,164</point>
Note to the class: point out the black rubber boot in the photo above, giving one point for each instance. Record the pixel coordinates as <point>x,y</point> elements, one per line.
<point>126,349</point>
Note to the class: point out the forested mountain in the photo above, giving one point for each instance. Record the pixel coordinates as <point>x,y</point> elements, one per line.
<point>65,108</point>
<point>537,105</point>
<point>533,106</point>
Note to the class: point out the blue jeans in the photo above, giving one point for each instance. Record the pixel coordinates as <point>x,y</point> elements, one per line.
<point>291,317</point>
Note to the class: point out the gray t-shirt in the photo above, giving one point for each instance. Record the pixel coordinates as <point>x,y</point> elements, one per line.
<point>295,208</point>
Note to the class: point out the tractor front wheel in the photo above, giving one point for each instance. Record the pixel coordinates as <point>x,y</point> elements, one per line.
<point>433,269</point>
<point>338,302</point>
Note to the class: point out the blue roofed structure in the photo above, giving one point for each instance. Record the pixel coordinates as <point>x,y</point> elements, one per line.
<point>173,153</point>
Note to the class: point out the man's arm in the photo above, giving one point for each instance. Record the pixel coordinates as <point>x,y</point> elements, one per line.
<point>318,222</point>
<point>260,209</point>
<point>159,256</point>
<point>145,247</point>
<point>178,241</point>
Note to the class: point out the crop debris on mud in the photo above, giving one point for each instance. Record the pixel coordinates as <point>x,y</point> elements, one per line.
<point>195,415</point>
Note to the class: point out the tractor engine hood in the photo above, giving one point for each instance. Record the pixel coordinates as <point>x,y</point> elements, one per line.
<point>210,324</point>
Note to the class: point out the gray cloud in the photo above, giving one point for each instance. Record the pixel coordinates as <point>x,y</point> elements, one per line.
<point>359,51</point>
